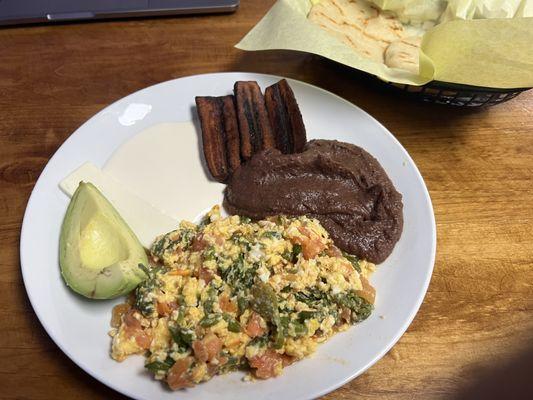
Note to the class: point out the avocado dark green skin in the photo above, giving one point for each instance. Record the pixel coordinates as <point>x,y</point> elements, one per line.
<point>99,255</point>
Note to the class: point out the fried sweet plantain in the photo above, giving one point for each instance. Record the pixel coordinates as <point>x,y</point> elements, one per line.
<point>220,135</point>
<point>231,128</point>
<point>285,118</point>
<point>254,124</point>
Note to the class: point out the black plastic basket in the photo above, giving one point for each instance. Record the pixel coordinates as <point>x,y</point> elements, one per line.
<point>459,95</point>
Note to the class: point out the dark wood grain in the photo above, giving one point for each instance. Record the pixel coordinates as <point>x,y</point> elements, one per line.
<point>473,335</point>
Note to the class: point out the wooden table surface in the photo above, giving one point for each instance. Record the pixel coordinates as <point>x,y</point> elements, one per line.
<point>473,335</point>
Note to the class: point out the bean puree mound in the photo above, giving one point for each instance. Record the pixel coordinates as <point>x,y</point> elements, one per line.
<point>338,183</point>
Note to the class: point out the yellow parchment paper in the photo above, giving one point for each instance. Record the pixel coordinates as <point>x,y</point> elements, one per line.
<point>483,52</point>
<point>458,52</point>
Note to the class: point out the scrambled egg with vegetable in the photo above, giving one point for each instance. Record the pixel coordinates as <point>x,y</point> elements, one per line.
<point>231,294</point>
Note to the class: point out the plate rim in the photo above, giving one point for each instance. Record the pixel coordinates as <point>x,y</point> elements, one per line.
<point>379,355</point>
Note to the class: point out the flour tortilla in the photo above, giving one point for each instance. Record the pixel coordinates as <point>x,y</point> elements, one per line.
<point>403,54</point>
<point>374,34</point>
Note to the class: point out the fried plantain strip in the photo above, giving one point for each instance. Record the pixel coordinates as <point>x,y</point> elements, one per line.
<point>231,128</point>
<point>214,139</point>
<point>254,124</point>
<point>285,118</point>
<point>279,120</point>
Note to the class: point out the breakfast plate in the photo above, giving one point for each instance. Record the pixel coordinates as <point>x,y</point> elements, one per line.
<point>110,140</point>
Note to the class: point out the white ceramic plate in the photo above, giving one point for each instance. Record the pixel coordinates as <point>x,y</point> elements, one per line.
<point>79,327</point>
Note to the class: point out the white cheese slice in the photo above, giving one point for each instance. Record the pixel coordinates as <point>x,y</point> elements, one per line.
<point>163,164</point>
<point>142,217</point>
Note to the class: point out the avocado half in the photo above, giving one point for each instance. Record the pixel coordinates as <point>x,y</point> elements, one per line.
<point>99,255</point>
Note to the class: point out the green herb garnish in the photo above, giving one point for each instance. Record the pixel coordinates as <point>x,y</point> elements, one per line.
<point>156,366</point>
<point>210,320</point>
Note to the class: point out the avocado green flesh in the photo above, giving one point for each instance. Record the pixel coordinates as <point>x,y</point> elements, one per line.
<point>99,254</point>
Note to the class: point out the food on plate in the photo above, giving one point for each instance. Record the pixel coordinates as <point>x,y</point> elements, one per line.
<point>373,33</point>
<point>230,294</point>
<point>285,118</point>
<point>339,184</point>
<point>99,255</point>
<point>257,290</point>
<point>254,125</point>
<point>220,135</point>
<point>234,128</point>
